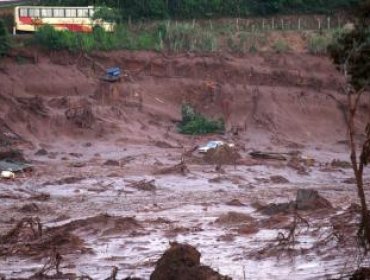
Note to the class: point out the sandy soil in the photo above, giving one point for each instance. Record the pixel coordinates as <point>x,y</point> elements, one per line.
<point>92,144</point>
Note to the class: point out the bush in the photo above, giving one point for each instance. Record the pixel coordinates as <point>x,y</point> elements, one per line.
<point>318,44</point>
<point>281,46</point>
<point>4,39</point>
<point>194,123</point>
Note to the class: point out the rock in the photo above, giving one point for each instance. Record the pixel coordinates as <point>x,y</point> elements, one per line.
<point>182,262</point>
<point>222,155</point>
<point>311,200</point>
<point>279,179</point>
<point>305,200</point>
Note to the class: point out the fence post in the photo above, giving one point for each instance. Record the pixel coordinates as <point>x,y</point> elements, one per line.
<point>273,24</point>
<point>299,23</point>
<point>193,23</point>
<point>237,25</point>
<point>319,21</point>
<point>282,24</point>
<point>263,24</point>
<point>329,25</point>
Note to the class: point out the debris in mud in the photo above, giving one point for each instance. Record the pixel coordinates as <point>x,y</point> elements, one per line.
<point>65,181</point>
<point>30,239</point>
<point>7,175</point>
<point>103,224</point>
<point>268,155</point>
<point>180,168</point>
<point>34,105</point>
<point>232,218</point>
<point>162,144</point>
<point>363,273</point>
<point>14,166</point>
<point>279,179</point>
<point>143,185</point>
<point>299,164</point>
<point>222,155</point>
<point>82,117</point>
<point>30,208</point>
<point>306,200</point>
<point>235,202</point>
<point>41,152</point>
<point>111,162</point>
<point>349,181</point>
<point>182,262</point>
<point>11,154</point>
<point>340,163</point>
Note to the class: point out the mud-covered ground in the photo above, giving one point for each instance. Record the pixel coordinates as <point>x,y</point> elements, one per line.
<point>108,188</point>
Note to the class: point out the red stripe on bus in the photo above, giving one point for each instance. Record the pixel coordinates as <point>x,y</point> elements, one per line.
<point>25,20</point>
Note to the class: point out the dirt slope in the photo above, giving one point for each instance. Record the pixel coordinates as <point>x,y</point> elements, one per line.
<point>286,98</point>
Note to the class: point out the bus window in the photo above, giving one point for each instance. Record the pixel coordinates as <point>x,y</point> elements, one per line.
<point>46,13</point>
<point>83,13</point>
<point>91,13</point>
<point>59,13</point>
<point>33,12</point>
<point>71,13</point>
<point>23,12</point>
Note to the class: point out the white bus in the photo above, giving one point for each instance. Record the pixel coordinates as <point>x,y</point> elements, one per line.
<point>77,19</point>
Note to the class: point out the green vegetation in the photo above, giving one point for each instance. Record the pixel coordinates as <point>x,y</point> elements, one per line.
<point>159,9</point>
<point>281,46</point>
<point>194,123</point>
<point>4,39</point>
<point>175,37</point>
<point>318,43</point>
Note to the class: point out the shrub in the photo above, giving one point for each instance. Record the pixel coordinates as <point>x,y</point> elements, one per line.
<point>318,44</point>
<point>281,46</point>
<point>48,37</point>
<point>194,123</point>
<point>4,39</point>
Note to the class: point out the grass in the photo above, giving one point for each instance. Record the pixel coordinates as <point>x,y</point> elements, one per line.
<point>172,36</point>
<point>281,46</point>
<point>318,43</point>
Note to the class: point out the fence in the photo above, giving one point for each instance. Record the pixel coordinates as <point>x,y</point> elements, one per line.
<point>304,22</point>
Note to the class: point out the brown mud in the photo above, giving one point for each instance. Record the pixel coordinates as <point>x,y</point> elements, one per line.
<point>113,181</point>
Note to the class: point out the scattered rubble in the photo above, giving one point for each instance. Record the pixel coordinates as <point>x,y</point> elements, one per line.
<point>222,155</point>
<point>306,200</point>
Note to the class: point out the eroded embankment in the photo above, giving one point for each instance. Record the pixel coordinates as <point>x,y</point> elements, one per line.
<point>114,182</point>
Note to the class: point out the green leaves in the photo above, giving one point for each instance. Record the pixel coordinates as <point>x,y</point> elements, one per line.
<point>194,123</point>
<point>4,39</point>
<point>351,52</point>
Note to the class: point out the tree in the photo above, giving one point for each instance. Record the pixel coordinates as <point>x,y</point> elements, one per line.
<point>351,53</point>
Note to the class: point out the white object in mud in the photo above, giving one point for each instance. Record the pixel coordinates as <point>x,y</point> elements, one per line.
<point>213,145</point>
<point>7,175</point>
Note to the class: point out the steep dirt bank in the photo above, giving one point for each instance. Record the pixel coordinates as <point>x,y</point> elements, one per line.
<point>285,97</point>
<point>114,182</point>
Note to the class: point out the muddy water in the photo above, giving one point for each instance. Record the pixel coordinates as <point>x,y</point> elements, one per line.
<point>183,209</point>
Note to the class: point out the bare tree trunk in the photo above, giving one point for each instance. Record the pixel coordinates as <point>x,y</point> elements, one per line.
<point>358,168</point>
